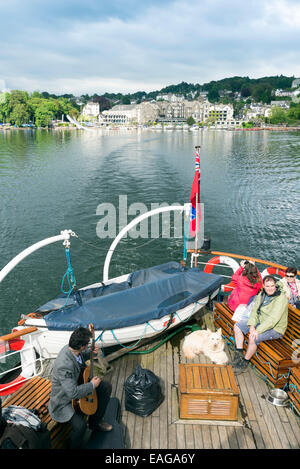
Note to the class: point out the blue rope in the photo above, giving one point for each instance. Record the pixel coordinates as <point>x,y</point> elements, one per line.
<point>142,336</point>
<point>189,317</point>
<point>99,336</point>
<point>69,275</point>
<point>293,387</point>
<point>130,346</point>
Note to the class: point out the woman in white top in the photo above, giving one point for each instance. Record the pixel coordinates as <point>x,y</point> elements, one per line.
<point>291,286</point>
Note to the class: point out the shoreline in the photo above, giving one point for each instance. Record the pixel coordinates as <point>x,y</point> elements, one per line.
<point>134,127</point>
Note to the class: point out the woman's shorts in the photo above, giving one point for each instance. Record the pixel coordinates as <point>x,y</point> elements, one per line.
<point>271,334</point>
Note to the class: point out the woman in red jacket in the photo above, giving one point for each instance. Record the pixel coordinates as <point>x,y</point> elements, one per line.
<point>248,282</point>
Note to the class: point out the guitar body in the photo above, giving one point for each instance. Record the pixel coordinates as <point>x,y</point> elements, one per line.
<point>88,404</point>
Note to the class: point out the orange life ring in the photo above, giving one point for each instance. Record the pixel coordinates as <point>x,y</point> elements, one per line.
<point>273,271</point>
<point>222,260</point>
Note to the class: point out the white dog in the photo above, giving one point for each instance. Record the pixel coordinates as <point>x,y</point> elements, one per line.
<point>207,342</point>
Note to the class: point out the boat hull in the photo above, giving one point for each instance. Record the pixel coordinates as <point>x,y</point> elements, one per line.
<point>48,343</point>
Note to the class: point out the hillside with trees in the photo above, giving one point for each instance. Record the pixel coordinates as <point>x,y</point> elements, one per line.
<point>19,107</point>
<point>260,89</point>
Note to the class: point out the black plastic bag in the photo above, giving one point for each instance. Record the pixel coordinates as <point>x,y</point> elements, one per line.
<point>143,392</point>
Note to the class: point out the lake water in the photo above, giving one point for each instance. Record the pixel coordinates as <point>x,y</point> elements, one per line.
<point>50,181</point>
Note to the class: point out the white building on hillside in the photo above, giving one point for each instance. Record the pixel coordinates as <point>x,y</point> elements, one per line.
<point>222,112</point>
<point>167,111</point>
<point>258,110</point>
<point>296,83</point>
<point>281,103</point>
<point>131,113</point>
<point>91,109</point>
<point>170,97</point>
<point>121,114</point>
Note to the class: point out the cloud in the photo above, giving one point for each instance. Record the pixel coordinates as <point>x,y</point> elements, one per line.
<point>98,46</point>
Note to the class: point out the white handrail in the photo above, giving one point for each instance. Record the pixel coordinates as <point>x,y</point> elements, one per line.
<point>134,222</point>
<point>64,236</point>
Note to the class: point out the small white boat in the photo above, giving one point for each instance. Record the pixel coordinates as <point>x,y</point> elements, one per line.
<point>123,310</point>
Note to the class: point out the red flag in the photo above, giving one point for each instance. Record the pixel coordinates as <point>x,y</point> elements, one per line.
<point>195,198</point>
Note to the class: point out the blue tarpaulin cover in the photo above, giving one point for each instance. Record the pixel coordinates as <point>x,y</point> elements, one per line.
<point>147,294</point>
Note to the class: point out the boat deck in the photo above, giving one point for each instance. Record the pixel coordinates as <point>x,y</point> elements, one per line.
<point>260,424</point>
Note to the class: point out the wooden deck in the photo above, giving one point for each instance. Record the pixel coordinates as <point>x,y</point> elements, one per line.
<point>260,424</point>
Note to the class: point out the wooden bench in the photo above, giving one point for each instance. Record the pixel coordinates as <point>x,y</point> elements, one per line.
<point>35,395</point>
<point>294,388</point>
<point>273,358</point>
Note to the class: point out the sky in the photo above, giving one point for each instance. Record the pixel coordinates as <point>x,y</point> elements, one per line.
<point>98,46</point>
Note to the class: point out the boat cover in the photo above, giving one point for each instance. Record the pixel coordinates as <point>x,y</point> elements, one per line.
<point>147,294</point>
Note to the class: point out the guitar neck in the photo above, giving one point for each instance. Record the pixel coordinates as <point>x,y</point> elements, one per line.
<point>91,327</point>
<point>92,360</point>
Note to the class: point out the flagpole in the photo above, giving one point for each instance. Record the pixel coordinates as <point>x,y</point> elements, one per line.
<point>197,211</point>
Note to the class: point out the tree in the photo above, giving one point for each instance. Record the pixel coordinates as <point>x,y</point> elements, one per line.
<point>278,115</point>
<point>126,100</point>
<point>17,107</point>
<point>43,116</point>
<point>190,120</point>
<point>262,93</point>
<point>213,94</point>
<point>3,107</point>
<point>245,91</point>
<point>294,112</point>
<point>65,107</point>
<point>19,114</point>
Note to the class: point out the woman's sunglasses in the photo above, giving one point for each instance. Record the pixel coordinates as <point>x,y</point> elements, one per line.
<point>290,276</point>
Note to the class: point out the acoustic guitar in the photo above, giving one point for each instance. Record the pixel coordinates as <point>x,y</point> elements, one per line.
<point>88,404</point>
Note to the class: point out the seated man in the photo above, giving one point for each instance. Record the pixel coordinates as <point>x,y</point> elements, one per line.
<point>267,321</point>
<point>66,372</point>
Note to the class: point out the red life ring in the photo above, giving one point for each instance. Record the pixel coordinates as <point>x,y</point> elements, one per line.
<point>12,386</point>
<point>273,271</point>
<point>222,260</point>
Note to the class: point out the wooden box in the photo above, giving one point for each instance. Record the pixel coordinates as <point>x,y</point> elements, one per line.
<point>208,392</point>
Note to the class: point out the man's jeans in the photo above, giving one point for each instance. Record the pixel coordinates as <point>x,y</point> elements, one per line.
<point>271,334</point>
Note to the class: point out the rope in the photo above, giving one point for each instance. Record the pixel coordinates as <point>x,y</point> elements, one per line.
<point>143,352</point>
<point>109,250</point>
<point>293,387</point>
<point>69,275</point>
<point>130,346</point>
<point>189,317</point>
<point>146,325</point>
<point>270,366</point>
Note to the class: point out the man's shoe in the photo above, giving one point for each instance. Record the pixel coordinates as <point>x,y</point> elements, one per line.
<point>102,427</point>
<point>241,366</point>
<point>237,356</point>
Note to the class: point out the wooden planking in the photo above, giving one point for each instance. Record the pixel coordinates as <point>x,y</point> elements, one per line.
<point>163,421</point>
<point>206,436</point>
<point>224,443</point>
<point>269,427</point>
<point>34,395</point>
<point>198,437</point>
